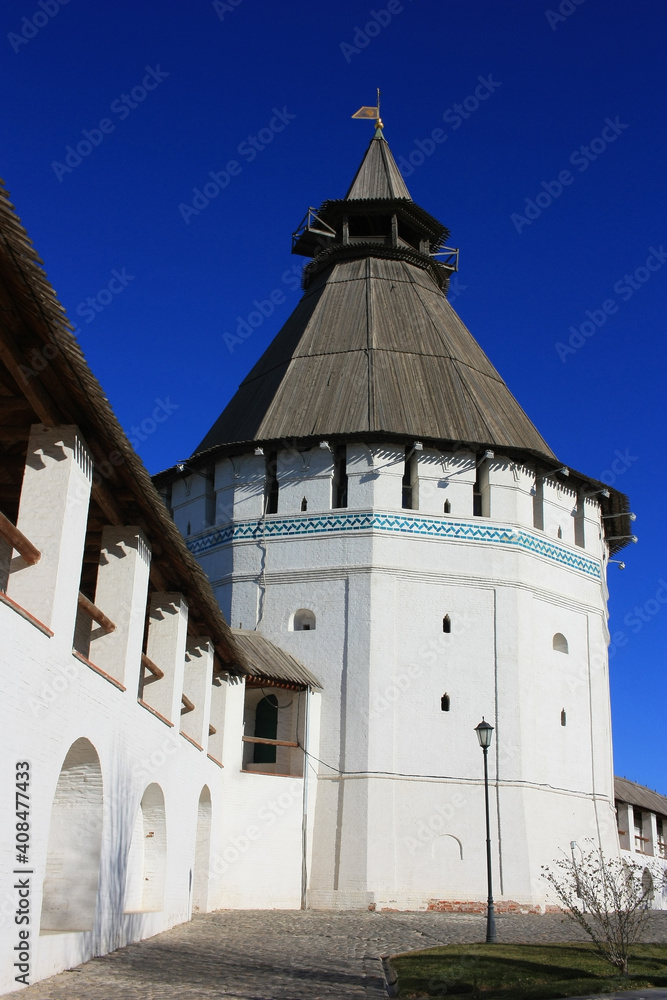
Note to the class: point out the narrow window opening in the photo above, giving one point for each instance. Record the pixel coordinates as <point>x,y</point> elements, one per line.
<point>560,531</point>
<point>480,492</point>
<point>447,624</point>
<point>410,499</point>
<point>640,839</point>
<point>560,644</point>
<point>266,728</point>
<point>447,507</point>
<point>538,505</point>
<point>340,477</point>
<point>477,498</point>
<point>187,530</point>
<point>271,485</point>
<point>579,513</point>
<point>304,504</point>
<point>444,703</point>
<point>563,717</point>
<point>209,498</point>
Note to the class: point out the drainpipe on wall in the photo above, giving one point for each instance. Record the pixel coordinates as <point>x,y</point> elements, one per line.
<point>304,818</point>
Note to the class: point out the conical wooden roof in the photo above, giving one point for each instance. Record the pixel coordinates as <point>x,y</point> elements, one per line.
<point>378,176</point>
<point>374,349</point>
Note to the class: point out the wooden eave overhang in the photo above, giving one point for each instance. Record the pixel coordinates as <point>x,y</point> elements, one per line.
<point>267,662</point>
<point>44,378</point>
<point>440,273</point>
<point>334,211</point>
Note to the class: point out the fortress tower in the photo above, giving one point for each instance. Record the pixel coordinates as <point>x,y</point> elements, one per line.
<point>375,501</point>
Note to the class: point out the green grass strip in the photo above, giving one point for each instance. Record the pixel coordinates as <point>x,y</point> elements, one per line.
<point>524,971</point>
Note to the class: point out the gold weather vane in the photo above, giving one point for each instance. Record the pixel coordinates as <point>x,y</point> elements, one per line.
<point>366,112</point>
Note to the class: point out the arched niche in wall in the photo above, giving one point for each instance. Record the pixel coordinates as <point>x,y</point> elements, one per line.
<point>202,852</point>
<point>560,643</point>
<point>303,620</point>
<point>447,847</point>
<point>147,860</point>
<point>71,879</point>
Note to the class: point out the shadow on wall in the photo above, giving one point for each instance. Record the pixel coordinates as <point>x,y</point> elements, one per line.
<point>106,857</point>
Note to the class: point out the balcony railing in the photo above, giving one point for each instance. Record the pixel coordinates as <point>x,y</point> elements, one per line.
<point>640,842</point>
<point>271,743</point>
<point>284,765</point>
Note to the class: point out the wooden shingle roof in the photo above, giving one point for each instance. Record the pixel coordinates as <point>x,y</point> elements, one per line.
<point>639,795</point>
<point>374,347</point>
<point>266,661</point>
<point>378,176</point>
<point>65,391</point>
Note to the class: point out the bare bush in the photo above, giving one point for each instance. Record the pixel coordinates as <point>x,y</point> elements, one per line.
<point>609,898</point>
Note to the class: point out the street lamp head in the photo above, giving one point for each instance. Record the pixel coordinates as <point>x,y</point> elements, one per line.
<point>484,732</point>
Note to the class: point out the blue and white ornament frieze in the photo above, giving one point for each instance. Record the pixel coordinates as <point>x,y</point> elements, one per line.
<point>425,527</point>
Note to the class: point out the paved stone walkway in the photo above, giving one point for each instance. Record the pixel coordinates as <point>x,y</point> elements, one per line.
<point>287,955</point>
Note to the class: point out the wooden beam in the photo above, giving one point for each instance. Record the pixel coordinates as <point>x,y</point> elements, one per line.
<point>11,405</point>
<point>188,706</point>
<point>160,581</point>
<point>30,385</point>
<point>103,498</point>
<point>271,743</point>
<point>28,552</point>
<point>152,667</point>
<point>270,682</point>
<point>94,612</point>
<point>14,432</point>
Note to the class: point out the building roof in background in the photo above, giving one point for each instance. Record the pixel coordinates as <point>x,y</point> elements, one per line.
<point>639,795</point>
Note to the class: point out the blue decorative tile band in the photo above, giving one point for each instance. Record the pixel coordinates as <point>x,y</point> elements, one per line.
<point>427,527</point>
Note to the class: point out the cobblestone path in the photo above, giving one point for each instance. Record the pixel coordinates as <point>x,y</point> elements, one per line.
<point>286,955</point>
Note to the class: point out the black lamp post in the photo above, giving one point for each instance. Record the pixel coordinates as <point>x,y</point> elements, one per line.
<point>484,732</point>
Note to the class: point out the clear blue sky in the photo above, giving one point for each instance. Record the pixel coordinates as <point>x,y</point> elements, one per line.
<point>211,76</point>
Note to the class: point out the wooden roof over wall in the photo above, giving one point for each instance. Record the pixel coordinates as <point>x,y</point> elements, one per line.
<point>267,661</point>
<point>59,388</point>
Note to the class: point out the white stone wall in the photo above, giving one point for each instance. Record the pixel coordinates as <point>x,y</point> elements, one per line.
<point>379,581</point>
<point>132,823</point>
